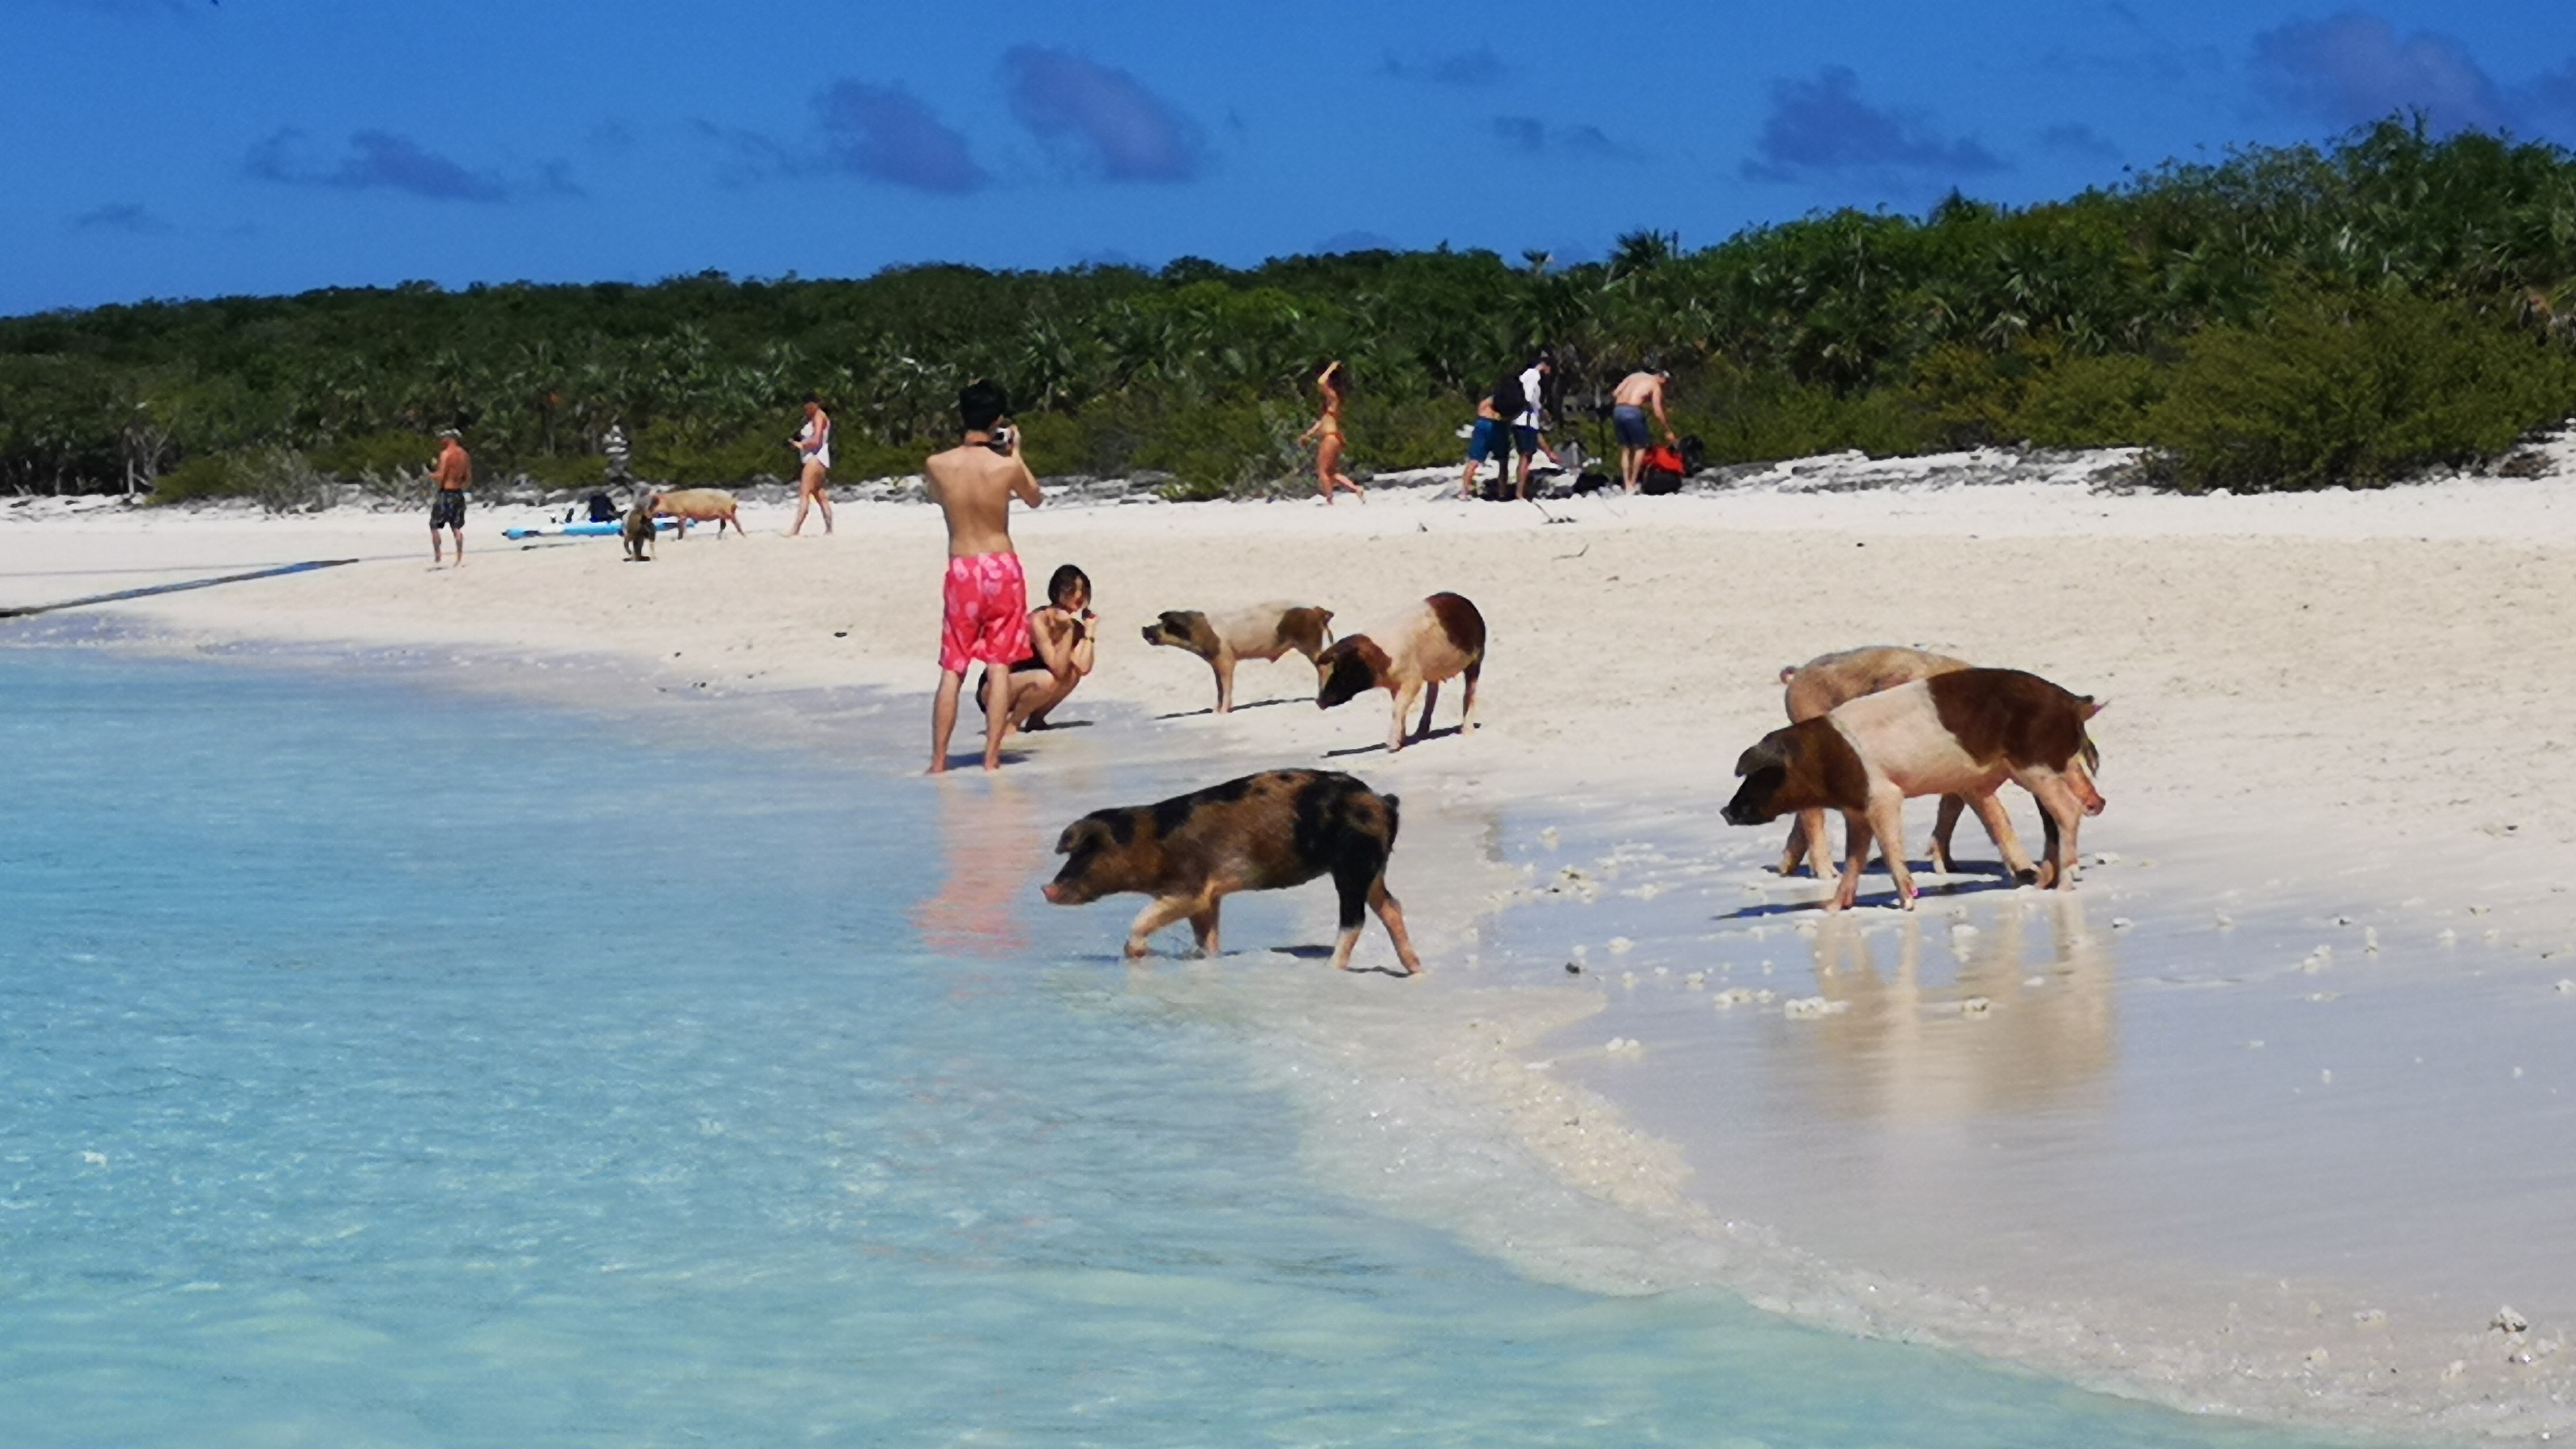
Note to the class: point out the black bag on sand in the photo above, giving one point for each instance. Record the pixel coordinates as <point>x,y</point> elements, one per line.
<point>603,509</point>
<point>1591,481</point>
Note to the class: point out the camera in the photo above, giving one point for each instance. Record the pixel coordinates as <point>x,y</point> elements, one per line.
<point>1004,438</point>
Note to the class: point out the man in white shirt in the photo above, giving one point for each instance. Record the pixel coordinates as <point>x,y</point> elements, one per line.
<point>1533,418</point>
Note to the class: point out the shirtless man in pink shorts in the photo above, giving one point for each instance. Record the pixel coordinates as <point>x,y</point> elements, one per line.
<point>986,596</point>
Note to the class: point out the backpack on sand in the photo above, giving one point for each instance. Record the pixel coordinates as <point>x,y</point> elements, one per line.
<point>1663,471</point>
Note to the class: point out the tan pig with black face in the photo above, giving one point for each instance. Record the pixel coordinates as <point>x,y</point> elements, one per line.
<point>1261,631</point>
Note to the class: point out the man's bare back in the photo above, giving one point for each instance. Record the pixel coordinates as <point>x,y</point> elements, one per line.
<point>1640,390</point>
<point>974,485</point>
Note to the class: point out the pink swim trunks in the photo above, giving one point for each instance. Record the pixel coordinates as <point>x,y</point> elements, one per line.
<point>987,618</point>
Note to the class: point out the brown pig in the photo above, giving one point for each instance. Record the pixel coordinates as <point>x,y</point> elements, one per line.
<point>638,533</point>
<point>1440,637</point>
<point>1815,687</point>
<point>1963,733</point>
<point>1263,832</point>
<point>1262,631</point>
<point>696,505</point>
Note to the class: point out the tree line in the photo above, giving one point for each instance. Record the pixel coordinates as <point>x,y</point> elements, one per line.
<point>2285,317</point>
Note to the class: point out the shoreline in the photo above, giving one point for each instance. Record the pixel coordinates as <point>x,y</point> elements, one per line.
<point>1590,730</point>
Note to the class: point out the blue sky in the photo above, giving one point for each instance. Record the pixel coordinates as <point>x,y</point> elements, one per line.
<point>165,148</point>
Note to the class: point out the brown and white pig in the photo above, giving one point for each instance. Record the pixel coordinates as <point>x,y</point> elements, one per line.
<point>1269,831</point>
<point>1962,733</point>
<point>1262,631</point>
<point>697,505</point>
<point>1815,687</point>
<point>1441,637</point>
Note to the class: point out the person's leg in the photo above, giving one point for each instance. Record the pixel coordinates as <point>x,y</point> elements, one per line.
<point>997,719</point>
<point>1331,454</point>
<point>437,545</point>
<point>804,499</point>
<point>1033,694</point>
<point>457,532</point>
<point>823,498</point>
<point>943,718</point>
<point>1632,461</point>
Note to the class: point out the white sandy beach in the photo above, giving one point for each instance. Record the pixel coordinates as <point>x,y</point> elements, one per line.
<point>2147,1134</point>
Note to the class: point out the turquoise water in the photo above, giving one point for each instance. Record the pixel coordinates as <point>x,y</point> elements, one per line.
<point>387,1067</point>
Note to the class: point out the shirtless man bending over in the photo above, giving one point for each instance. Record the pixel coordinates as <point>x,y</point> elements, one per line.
<point>986,596</point>
<point>1637,392</point>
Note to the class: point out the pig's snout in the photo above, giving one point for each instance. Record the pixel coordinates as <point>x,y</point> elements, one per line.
<point>1053,891</point>
<point>2093,804</point>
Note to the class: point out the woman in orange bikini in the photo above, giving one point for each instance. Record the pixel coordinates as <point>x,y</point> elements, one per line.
<point>1326,435</point>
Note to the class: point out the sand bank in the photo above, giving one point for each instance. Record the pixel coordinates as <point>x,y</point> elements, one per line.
<point>2147,1136</point>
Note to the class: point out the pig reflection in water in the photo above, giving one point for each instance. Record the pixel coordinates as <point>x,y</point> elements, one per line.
<point>991,844</point>
<point>1908,1050</point>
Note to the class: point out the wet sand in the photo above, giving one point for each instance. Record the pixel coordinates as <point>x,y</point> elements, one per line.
<point>2146,1134</point>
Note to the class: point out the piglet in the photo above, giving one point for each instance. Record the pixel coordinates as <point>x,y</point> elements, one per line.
<point>1263,832</point>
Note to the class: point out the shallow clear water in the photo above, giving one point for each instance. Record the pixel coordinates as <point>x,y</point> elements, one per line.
<point>379,1066</point>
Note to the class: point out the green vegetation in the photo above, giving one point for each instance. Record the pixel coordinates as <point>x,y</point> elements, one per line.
<point>2288,318</point>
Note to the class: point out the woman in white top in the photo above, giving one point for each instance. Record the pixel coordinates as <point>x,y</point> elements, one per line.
<point>814,452</point>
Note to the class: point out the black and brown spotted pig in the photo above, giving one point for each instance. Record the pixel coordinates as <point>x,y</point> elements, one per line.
<point>1263,832</point>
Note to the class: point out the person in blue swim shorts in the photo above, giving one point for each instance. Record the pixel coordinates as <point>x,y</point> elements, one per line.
<point>1638,393</point>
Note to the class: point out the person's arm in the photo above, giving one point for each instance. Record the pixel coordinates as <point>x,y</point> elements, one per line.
<point>1044,639</point>
<point>1658,396</point>
<point>1026,484</point>
<point>1085,630</point>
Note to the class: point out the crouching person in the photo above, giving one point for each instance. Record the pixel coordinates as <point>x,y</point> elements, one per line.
<point>1062,635</point>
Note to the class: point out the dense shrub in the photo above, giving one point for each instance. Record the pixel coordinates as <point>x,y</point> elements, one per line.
<point>280,480</point>
<point>1742,416</point>
<point>2356,390</point>
<point>2090,402</point>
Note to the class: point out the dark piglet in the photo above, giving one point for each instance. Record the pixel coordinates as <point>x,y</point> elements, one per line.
<point>1269,831</point>
<point>638,533</point>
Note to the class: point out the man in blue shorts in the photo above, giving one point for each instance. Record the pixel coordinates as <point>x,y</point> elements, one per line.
<point>449,477</point>
<point>1484,441</point>
<point>1638,392</point>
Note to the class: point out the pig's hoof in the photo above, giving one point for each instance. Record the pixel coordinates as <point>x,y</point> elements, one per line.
<point>1136,950</point>
<point>2026,877</point>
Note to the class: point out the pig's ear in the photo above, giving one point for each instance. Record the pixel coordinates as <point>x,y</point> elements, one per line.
<point>1072,833</point>
<point>2088,706</point>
